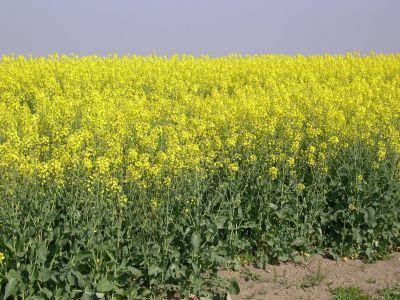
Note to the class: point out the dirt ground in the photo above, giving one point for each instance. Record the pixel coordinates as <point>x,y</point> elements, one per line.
<point>314,279</point>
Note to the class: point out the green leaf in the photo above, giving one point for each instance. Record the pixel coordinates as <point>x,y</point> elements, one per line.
<point>357,236</point>
<point>154,270</point>
<point>240,213</point>
<point>298,242</point>
<point>86,296</point>
<point>42,253</point>
<point>80,278</point>
<point>145,293</point>
<point>195,241</point>
<point>234,288</point>
<point>273,206</point>
<point>12,284</point>
<point>217,258</point>
<point>83,254</point>
<point>220,221</point>
<point>369,216</point>
<point>297,259</point>
<point>195,268</point>
<point>8,244</point>
<point>249,224</point>
<point>70,278</point>
<point>283,257</point>
<point>44,274</point>
<point>47,292</point>
<point>104,285</point>
<point>110,255</point>
<point>134,271</point>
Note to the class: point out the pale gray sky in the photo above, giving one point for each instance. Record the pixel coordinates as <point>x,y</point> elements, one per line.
<point>214,27</point>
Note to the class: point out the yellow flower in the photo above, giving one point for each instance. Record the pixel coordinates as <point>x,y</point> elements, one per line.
<point>252,158</point>
<point>2,257</point>
<point>233,167</point>
<point>273,173</point>
<point>103,165</point>
<point>218,164</point>
<point>123,200</point>
<point>231,141</point>
<point>87,163</point>
<point>300,187</point>
<point>311,156</point>
<point>167,181</point>
<point>272,158</point>
<point>352,207</point>
<point>381,151</point>
<point>106,127</point>
<point>311,160</point>
<point>154,203</point>
<point>291,161</point>
<point>334,140</point>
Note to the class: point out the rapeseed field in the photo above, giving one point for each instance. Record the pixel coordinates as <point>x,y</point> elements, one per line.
<point>138,177</point>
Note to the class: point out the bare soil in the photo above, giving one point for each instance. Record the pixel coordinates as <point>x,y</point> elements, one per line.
<point>314,279</point>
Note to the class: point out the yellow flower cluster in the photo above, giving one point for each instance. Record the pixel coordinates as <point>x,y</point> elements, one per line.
<point>140,122</point>
<point>273,173</point>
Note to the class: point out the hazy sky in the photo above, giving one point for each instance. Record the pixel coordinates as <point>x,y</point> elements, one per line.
<point>214,27</point>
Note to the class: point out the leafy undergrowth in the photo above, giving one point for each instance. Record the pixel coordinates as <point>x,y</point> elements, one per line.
<point>355,293</point>
<point>391,292</point>
<point>350,293</point>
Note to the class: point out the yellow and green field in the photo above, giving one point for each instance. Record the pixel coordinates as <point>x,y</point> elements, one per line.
<point>137,176</point>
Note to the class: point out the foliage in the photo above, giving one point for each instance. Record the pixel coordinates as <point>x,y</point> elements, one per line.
<point>139,177</point>
<point>391,292</point>
<point>350,293</point>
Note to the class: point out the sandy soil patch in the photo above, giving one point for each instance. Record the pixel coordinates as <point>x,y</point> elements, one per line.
<point>314,279</point>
